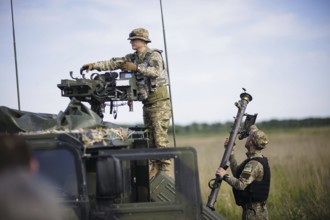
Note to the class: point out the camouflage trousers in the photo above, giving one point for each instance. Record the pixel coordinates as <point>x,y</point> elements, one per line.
<point>255,211</point>
<point>156,118</point>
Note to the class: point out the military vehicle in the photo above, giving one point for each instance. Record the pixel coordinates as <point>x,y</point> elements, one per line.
<point>100,170</point>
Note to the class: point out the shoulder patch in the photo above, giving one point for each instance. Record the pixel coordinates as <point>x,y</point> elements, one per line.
<point>247,169</point>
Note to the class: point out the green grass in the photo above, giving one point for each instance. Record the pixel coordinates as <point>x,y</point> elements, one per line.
<point>301,189</point>
<point>299,160</point>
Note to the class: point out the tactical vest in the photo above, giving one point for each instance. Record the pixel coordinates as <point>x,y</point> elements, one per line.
<point>152,89</point>
<point>257,191</point>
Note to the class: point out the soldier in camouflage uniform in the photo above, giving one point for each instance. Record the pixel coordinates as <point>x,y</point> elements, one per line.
<point>152,80</point>
<point>251,180</point>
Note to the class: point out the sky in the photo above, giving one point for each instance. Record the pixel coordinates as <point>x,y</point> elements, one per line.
<point>279,51</point>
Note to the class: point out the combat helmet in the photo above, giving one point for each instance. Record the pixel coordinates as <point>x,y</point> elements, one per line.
<point>139,33</point>
<point>259,138</point>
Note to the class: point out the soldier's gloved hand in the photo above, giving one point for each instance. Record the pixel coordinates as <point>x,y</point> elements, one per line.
<point>129,66</point>
<point>86,67</point>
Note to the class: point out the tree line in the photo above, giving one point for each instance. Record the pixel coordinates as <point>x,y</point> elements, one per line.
<point>267,125</point>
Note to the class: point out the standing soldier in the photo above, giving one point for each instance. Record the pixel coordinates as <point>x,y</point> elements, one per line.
<point>152,80</point>
<point>251,179</point>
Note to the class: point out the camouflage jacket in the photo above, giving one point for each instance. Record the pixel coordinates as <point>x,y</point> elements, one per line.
<point>151,72</point>
<point>151,68</point>
<point>253,170</point>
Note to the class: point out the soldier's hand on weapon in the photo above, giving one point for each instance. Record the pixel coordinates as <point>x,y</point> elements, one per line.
<point>226,145</point>
<point>220,172</point>
<point>129,66</point>
<point>86,67</point>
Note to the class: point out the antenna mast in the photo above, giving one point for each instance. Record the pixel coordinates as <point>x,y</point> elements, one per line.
<point>17,84</point>
<point>168,72</point>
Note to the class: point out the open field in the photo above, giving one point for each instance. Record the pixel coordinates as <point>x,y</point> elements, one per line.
<point>299,160</point>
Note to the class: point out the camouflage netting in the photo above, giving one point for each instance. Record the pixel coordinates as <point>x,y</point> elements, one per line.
<point>77,118</point>
<point>91,136</point>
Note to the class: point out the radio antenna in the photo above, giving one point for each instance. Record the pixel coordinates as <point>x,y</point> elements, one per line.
<point>168,72</point>
<point>17,83</point>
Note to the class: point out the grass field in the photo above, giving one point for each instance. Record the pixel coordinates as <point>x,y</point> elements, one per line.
<point>299,161</point>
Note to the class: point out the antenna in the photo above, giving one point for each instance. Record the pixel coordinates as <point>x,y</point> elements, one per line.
<point>168,72</point>
<point>17,83</point>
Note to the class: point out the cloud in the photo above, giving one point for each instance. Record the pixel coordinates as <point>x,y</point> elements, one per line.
<point>214,47</point>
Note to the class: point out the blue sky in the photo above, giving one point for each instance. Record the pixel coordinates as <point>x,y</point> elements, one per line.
<point>278,50</point>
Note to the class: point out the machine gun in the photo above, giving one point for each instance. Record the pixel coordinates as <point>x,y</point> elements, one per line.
<point>101,88</point>
<point>243,132</point>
